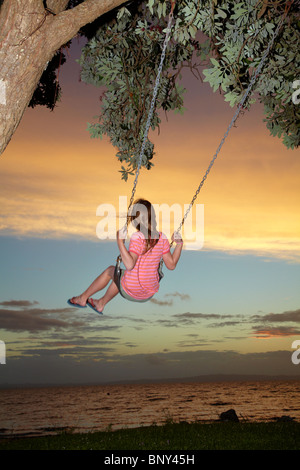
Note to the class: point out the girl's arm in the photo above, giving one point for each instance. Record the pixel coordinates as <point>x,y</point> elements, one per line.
<point>171,259</point>
<point>129,259</point>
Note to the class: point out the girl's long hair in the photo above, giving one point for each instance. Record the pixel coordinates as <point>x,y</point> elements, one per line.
<point>143,218</point>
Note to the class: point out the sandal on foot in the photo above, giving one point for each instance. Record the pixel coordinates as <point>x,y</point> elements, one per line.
<point>92,305</point>
<point>74,304</point>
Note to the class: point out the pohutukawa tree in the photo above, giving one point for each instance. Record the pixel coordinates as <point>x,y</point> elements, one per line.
<point>226,38</point>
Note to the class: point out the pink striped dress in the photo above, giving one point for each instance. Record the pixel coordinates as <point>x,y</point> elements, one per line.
<point>143,281</point>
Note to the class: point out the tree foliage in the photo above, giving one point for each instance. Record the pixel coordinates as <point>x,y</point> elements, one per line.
<point>123,58</point>
<point>48,91</point>
<point>241,32</point>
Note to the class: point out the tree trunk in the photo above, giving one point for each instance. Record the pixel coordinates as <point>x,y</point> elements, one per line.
<point>29,37</point>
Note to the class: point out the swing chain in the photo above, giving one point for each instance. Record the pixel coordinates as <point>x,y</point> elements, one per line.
<point>240,106</point>
<point>155,90</point>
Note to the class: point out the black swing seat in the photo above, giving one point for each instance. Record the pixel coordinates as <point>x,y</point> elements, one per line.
<point>118,272</point>
<point>118,268</point>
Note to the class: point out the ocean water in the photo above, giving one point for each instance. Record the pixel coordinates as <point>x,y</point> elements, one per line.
<point>44,411</point>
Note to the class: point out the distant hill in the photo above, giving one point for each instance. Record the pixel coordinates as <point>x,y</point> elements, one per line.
<point>211,378</point>
<point>200,379</point>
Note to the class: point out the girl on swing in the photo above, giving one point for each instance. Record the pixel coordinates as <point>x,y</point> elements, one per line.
<point>140,280</point>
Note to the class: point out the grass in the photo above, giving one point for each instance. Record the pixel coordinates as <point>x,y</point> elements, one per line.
<point>172,436</point>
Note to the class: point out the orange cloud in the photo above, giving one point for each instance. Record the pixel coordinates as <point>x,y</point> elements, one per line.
<point>283,331</point>
<point>53,176</point>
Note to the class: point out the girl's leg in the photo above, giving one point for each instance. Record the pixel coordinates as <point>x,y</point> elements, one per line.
<point>111,292</point>
<point>98,284</point>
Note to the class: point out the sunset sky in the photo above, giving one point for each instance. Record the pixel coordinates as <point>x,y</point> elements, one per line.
<point>231,306</point>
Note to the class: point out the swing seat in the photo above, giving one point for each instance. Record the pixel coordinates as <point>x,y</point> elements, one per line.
<point>117,279</point>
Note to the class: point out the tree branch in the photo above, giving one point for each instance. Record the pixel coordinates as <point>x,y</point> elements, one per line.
<point>57,6</point>
<point>65,25</point>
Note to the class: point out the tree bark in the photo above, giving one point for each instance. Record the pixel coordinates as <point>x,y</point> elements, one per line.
<point>29,37</point>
